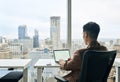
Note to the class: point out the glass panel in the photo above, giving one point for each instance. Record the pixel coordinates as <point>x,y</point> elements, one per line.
<point>32,27</point>
<point>105,13</point>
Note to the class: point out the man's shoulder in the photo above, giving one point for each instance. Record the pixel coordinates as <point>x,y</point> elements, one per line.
<point>103,48</point>
<point>81,51</point>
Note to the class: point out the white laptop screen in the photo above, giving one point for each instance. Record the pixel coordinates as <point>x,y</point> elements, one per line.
<point>61,54</point>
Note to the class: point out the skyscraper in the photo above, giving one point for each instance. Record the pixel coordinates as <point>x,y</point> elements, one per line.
<point>0,39</point>
<point>22,32</point>
<point>55,30</point>
<point>36,39</point>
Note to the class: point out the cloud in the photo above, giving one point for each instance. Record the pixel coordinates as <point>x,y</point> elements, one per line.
<point>36,15</point>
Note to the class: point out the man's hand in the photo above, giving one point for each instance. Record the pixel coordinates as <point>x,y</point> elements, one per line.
<point>61,62</point>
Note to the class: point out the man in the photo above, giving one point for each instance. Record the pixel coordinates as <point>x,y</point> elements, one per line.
<point>90,34</point>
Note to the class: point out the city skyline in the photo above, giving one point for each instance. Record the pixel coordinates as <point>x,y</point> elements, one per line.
<point>36,15</point>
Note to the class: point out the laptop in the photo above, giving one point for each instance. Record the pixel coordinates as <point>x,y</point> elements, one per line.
<point>61,54</point>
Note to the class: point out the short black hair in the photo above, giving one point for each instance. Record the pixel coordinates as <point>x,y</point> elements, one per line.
<point>92,29</point>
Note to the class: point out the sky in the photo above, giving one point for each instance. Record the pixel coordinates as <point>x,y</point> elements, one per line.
<point>36,15</point>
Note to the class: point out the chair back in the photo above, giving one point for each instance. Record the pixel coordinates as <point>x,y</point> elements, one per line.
<point>96,65</point>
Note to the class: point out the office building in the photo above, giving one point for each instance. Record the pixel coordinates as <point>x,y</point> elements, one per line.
<point>16,48</point>
<point>118,42</point>
<point>27,45</point>
<point>0,39</point>
<point>5,52</point>
<point>3,39</point>
<point>22,32</point>
<point>36,39</point>
<point>55,31</point>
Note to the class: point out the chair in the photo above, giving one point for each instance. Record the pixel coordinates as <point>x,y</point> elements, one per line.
<point>13,76</point>
<point>96,66</point>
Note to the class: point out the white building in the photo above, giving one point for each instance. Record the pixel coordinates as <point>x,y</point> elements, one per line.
<point>16,48</point>
<point>55,31</point>
<point>27,45</point>
<point>4,51</point>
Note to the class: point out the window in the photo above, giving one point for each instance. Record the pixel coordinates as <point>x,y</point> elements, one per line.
<point>28,25</point>
<point>104,12</point>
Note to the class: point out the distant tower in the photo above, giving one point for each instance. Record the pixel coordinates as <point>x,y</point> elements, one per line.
<point>0,39</point>
<point>22,32</point>
<point>36,39</point>
<point>3,39</point>
<point>55,30</point>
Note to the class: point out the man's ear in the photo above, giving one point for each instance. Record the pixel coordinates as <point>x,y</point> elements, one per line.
<point>86,34</point>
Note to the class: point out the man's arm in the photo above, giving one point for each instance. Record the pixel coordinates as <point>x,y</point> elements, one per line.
<point>71,63</point>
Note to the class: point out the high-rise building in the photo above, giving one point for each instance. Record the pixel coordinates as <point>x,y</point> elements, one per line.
<point>55,30</point>
<point>0,39</point>
<point>36,39</point>
<point>22,32</point>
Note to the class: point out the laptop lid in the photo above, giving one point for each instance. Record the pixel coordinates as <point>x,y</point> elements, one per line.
<point>61,54</point>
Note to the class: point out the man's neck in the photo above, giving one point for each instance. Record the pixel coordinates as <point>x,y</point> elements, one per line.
<point>90,41</point>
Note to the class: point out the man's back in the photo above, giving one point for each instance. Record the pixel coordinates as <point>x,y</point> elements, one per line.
<point>75,64</point>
